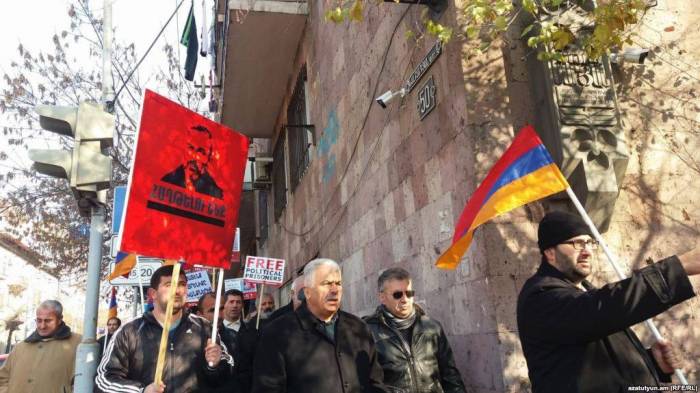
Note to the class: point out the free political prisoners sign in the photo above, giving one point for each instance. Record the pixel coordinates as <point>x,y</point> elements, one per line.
<point>262,270</point>
<point>185,186</point>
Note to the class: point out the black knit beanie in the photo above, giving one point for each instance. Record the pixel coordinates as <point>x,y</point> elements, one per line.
<point>558,226</point>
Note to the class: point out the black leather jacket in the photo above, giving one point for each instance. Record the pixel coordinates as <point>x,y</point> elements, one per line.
<point>426,367</point>
<point>129,363</point>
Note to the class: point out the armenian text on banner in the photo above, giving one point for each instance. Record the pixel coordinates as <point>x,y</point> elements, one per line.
<point>185,186</point>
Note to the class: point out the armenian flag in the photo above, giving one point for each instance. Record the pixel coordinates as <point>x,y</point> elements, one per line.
<point>113,304</point>
<point>524,174</point>
<point>123,264</point>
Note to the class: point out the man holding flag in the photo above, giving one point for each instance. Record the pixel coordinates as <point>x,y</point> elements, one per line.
<point>576,337</point>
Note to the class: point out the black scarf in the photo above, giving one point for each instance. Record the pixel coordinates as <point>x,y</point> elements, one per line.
<point>399,323</point>
<point>61,333</point>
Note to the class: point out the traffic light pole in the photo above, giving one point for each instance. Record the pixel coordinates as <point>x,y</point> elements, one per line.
<point>86,359</point>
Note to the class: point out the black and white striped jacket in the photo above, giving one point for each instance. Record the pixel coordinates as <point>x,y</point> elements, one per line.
<point>129,363</point>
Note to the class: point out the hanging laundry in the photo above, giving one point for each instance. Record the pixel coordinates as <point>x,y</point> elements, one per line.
<point>203,33</point>
<point>189,40</point>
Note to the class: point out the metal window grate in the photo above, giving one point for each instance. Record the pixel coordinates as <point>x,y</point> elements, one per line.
<point>300,133</point>
<point>279,183</point>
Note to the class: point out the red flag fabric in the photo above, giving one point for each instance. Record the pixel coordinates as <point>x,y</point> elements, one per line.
<point>185,186</point>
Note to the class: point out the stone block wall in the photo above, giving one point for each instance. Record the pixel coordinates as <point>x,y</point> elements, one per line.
<point>385,188</point>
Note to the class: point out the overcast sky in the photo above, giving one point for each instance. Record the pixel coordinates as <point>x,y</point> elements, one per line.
<point>33,23</point>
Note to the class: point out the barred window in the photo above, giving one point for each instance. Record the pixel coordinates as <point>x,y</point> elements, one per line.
<point>300,133</point>
<point>279,178</point>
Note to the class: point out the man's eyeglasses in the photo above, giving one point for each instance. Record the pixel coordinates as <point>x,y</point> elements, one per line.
<point>399,294</point>
<point>580,244</point>
<point>212,309</point>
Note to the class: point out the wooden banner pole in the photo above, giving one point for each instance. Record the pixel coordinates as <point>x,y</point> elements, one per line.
<point>166,325</point>
<point>262,294</point>
<point>217,303</point>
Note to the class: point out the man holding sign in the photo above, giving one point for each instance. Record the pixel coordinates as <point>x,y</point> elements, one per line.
<point>193,362</point>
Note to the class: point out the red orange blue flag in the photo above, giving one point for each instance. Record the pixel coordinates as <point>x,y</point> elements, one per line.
<point>524,174</point>
<point>123,264</point>
<point>113,304</point>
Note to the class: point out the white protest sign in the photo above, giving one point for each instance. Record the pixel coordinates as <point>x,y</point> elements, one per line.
<point>263,270</point>
<point>197,284</point>
<point>249,290</point>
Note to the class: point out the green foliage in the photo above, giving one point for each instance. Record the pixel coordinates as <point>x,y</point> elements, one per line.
<point>483,22</point>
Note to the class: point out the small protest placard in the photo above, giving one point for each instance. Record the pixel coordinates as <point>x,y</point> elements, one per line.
<point>263,270</point>
<point>248,288</point>
<point>197,285</point>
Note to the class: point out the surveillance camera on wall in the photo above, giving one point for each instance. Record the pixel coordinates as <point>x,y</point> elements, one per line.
<point>630,55</point>
<point>388,96</point>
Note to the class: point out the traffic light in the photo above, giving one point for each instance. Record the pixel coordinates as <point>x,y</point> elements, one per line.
<point>87,169</point>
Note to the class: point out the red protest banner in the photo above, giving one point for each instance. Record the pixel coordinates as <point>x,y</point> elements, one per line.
<point>185,186</point>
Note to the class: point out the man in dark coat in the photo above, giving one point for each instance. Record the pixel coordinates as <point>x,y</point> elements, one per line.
<point>113,324</point>
<point>413,349</point>
<point>317,348</point>
<point>249,338</point>
<point>575,337</point>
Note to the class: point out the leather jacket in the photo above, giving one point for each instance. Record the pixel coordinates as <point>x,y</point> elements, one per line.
<point>425,366</point>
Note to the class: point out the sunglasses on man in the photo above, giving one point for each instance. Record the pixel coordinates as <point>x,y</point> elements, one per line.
<point>399,294</point>
<point>212,309</point>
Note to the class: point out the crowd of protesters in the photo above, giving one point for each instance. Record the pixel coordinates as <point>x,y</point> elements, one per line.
<point>575,337</point>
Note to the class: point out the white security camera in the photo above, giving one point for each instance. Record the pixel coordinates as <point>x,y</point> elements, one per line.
<point>388,96</point>
<point>630,55</point>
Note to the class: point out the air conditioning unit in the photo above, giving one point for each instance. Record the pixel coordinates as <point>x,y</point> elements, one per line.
<point>262,171</point>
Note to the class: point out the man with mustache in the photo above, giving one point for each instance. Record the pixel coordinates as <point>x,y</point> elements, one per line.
<point>194,174</point>
<point>413,349</point>
<point>317,348</point>
<point>192,361</point>
<point>576,337</point>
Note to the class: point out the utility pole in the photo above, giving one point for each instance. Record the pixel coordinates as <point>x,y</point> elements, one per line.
<point>86,359</point>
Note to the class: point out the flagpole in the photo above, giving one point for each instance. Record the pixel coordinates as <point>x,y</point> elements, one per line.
<point>262,295</point>
<point>217,304</point>
<point>620,274</point>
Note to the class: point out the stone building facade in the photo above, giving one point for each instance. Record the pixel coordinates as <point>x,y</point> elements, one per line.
<point>375,187</point>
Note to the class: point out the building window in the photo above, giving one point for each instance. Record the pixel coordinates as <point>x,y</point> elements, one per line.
<point>262,216</point>
<point>300,133</point>
<point>279,178</point>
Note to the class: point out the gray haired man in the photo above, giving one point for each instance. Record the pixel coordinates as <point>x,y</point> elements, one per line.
<point>412,347</point>
<point>317,348</point>
<point>44,361</point>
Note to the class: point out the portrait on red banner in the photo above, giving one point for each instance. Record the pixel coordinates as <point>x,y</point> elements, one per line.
<point>185,186</point>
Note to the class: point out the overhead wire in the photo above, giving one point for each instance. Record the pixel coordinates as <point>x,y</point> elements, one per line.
<point>323,212</point>
<point>116,95</point>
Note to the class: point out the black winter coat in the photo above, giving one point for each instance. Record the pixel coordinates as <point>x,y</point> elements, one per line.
<point>247,345</point>
<point>129,363</point>
<point>294,356</point>
<point>578,341</point>
<point>427,366</point>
